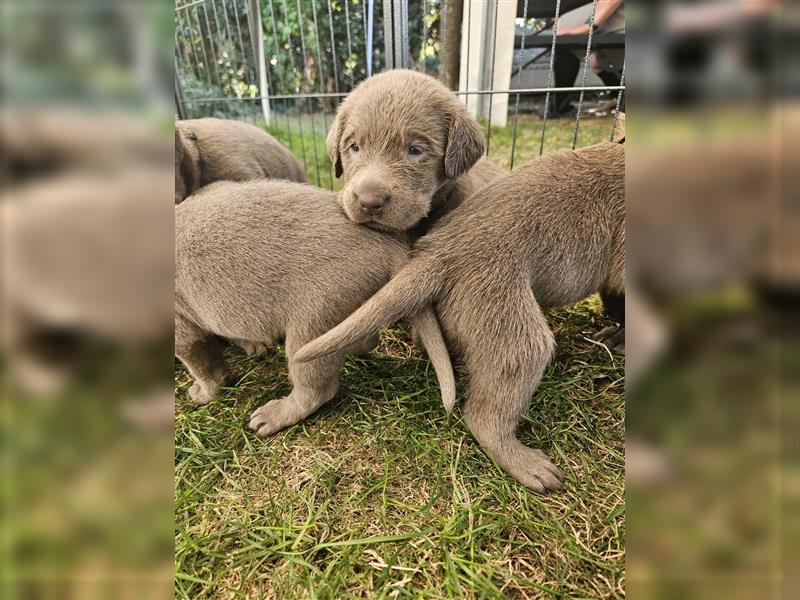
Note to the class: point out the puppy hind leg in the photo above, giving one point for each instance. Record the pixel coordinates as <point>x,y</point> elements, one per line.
<point>503,377</point>
<point>614,305</point>
<point>367,346</point>
<point>202,354</point>
<point>313,384</point>
<point>613,336</point>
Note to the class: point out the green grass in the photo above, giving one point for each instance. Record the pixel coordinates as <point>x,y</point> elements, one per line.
<point>558,135</point>
<point>380,494</point>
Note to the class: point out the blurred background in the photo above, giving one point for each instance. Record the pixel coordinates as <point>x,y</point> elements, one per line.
<point>713,358</point>
<point>713,257</point>
<point>86,356</point>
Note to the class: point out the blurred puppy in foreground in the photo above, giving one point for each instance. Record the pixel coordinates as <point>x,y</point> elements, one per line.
<point>87,288</point>
<point>546,235</point>
<point>85,260</point>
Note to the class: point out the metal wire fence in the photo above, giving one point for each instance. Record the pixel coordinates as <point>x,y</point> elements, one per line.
<point>285,65</point>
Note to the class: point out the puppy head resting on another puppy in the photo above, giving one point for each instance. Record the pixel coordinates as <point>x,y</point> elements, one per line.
<point>397,139</point>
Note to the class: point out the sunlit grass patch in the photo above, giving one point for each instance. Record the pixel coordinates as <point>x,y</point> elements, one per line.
<point>382,492</point>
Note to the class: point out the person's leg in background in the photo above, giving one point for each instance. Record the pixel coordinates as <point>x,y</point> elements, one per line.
<point>607,65</point>
<point>565,66</point>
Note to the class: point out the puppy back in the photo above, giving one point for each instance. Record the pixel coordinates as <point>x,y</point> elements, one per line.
<point>558,221</point>
<point>277,243</point>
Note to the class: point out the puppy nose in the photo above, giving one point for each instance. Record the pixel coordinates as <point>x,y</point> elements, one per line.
<point>372,203</point>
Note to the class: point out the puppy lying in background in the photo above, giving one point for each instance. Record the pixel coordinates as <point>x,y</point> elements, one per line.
<point>265,259</point>
<point>546,235</point>
<point>208,150</point>
<point>409,152</point>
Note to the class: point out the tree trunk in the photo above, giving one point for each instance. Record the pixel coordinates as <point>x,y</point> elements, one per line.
<point>451,38</point>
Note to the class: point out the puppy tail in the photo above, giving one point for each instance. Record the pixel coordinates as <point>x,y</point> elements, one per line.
<point>427,327</point>
<point>408,292</point>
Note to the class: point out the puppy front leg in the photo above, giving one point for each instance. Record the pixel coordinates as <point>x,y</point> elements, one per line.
<point>201,352</point>
<point>314,383</point>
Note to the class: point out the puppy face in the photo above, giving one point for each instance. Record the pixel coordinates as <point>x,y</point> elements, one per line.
<point>397,139</point>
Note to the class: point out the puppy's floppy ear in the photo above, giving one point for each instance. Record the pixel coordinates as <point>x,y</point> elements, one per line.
<point>333,140</point>
<point>465,145</point>
<point>187,167</point>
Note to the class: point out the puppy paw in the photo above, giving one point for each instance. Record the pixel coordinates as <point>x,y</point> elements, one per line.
<point>272,417</point>
<point>201,394</point>
<point>534,470</point>
<point>605,333</point>
<point>252,348</point>
<point>154,411</point>
<point>38,378</point>
<point>613,337</point>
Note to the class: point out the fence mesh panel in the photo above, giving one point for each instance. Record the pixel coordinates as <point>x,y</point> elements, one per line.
<point>316,51</point>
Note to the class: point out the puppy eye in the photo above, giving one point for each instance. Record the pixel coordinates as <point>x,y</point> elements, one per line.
<point>353,147</point>
<point>415,150</point>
